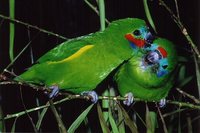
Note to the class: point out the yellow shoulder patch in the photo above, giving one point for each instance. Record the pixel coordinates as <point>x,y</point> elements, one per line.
<point>79,52</point>
<point>75,55</point>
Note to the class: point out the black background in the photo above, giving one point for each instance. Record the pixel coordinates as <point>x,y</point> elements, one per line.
<point>73,18</point>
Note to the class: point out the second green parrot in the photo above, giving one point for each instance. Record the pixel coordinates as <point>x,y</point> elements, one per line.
<point>149,74</point>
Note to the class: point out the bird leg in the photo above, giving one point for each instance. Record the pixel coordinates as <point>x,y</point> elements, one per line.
<point>92,95</point>
<point>129,99</point>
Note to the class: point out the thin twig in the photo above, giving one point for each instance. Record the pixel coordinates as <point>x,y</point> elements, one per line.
<point>33,27</point>
<point>29,117</point>
<point>18,55</point>
<point>9,116</point>
<point>94,8</point>
<point>181,26</point>
<point>184,104</point>
<point>197,68</point>
<point>58,119</point>
<point>173,112</point>
<point>177,10</point>
<point>197,101</point>
<point>162,119</point>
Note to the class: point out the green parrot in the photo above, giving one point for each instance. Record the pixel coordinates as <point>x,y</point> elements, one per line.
<point>149,74</point>
<point>80,64</point>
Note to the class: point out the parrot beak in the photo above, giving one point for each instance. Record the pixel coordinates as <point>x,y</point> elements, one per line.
<point>149,38</point>
<point>140,42</point>
<point>152,57</point>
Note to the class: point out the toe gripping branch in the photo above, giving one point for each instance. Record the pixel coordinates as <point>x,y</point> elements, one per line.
<point>162,103</point>
<point>54,90</point>
<point>129,99</point>
<point>92,95</point>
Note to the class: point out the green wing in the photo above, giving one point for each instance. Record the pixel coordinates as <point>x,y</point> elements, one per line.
<point>81,71</point>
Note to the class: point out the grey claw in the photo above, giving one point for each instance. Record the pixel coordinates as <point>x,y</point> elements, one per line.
<point>162,103</point>
<point>129,99</point>
<point>54,91</point>
<point>92,94</point>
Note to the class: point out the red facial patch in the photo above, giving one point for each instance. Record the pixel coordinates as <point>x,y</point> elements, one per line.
<point>162,51</point>
<point>138,42</point>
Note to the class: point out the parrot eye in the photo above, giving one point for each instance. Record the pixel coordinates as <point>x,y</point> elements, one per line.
<point>165,66</point>
<point>137,33</point>
<point>147,45</point>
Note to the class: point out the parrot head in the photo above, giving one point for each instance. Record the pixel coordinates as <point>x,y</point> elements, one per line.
<point>157,57</point>
<point>140,37</point>
<point>134,30</point>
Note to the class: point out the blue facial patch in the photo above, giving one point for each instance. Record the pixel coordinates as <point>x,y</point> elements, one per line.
<point>162,73</point>
<point>132,45</point>
<point>152,47</point>
<point>163,64</point>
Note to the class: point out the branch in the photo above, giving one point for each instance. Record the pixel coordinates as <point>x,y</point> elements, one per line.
<point>9,116</point>
<point>5,81</point>
<point>184,104</point>
<point>177,10</point>
<point>162,119</point>
<point>197,101</point>
<point>115,98</point>
<point>181,26</point>
<point>60,123</point>
<point>94,9</point>
<point>33,27</point>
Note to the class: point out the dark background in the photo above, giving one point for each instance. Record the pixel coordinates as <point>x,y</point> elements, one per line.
<point>73,18</point>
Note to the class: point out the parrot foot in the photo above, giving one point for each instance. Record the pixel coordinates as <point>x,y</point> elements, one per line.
<point>92,95</point>
<point>129,99</point>
<point>162,103</point>
<point>54,91</point>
